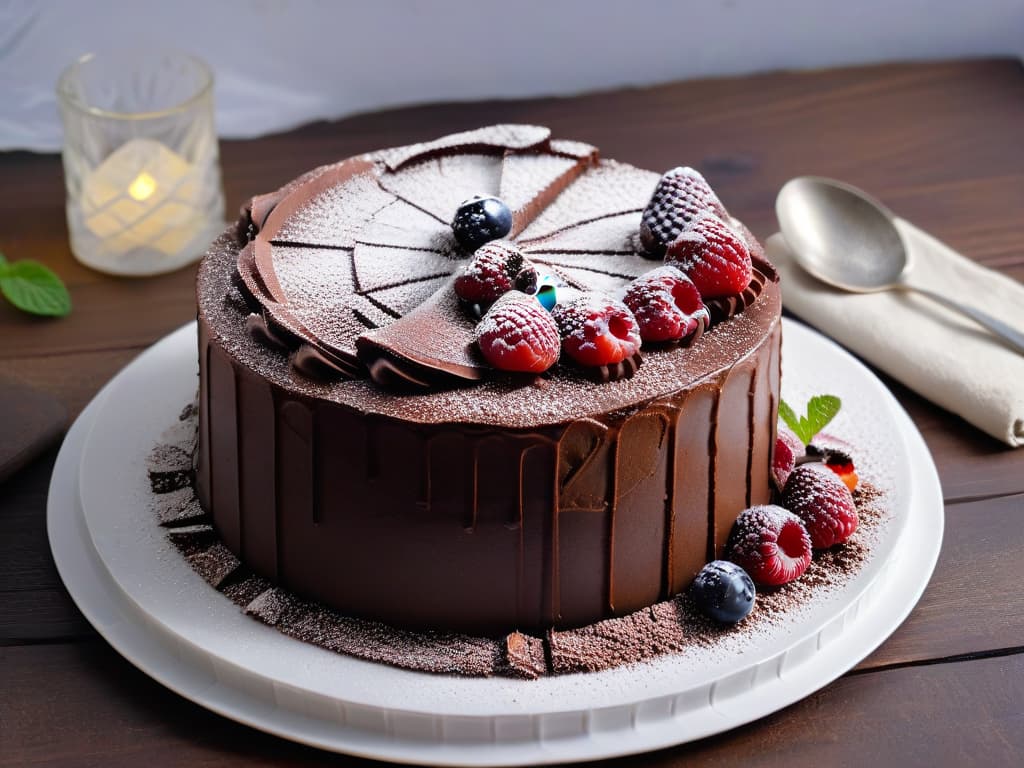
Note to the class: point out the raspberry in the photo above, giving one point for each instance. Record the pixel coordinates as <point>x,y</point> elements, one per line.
<point>714,256</point>
<point>597,330</point>
<point>517,334</point>
<point>667,306</point>
<point>681,196</point>
<point>823,502</point>
<point>771,544</point>
<point>491,272</point>
<point>788,449</point>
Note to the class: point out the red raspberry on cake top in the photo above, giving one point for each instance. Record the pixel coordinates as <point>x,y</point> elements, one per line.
<point>490,273</point>
<point>597,330</point>
<point>667,306</point>
<point>518,334</point>
<point>713,255</point>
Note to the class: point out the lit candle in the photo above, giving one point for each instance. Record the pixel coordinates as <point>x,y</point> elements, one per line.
<point>144,196</point>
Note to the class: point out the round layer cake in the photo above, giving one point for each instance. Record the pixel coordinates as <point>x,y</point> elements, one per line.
<point>356,449</point>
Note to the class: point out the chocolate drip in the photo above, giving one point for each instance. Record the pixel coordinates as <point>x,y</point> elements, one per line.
<point>257,446</point>
<point>712,496</point>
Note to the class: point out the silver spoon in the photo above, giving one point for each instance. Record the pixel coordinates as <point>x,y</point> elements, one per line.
<point>846,238</point>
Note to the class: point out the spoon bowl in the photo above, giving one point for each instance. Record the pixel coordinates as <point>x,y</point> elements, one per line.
<point>846,238</point>
<point>841,235</point>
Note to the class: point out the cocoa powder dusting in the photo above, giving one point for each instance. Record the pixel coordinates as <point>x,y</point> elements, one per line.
<point>669,627</point>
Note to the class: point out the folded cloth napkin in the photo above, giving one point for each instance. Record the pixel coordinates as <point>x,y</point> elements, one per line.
<point>941,354</point>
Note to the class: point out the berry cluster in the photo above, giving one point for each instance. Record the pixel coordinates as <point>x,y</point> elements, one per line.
<point>684,221</point>
<point>687,224</point>
<point>773,544</point>
<point>524,326</point>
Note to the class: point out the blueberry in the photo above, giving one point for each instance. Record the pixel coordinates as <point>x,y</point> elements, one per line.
<point>480,220</point>
<point>723,591</point>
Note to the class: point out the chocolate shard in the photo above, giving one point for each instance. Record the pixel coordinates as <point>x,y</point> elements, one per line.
<point>431,346</point>
<point>524,656</point>
<point>254,212</point>
<point>492,138</point>
<point>245,589</point>
<point>530,181</point>
<point>178,507</point>
<point>172,480</point>
<point>214,564</point>
<point>271,606</point>
<point>308,212</point>
<point>193,539</point>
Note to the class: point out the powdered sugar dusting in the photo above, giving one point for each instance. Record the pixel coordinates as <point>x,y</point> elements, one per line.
<point>382,266</point>
<point>335,216</point>
<point>607,189</point>
<point>615,232</point>
<point>440,185</point>
<point>567,395</point>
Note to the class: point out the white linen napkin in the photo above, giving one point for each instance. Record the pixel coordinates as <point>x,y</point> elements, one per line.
<point>939,353</point>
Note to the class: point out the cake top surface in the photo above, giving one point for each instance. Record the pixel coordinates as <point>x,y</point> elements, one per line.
<point>359,257</point>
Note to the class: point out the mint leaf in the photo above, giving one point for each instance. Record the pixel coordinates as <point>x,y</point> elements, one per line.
<point>3,263</point>
<point>790,418</point>
<point>821,409</point>
<point>33,288</point>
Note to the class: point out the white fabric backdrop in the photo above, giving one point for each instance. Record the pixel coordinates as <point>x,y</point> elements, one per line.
<point>280,63</point>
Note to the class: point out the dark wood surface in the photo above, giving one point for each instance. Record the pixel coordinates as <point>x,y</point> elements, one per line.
<point>940,143</point>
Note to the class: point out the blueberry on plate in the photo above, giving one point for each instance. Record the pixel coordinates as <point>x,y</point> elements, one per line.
<point>480,220</point>
<point>723,591</point>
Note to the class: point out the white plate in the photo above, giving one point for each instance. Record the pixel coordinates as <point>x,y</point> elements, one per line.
<point>149,604</point>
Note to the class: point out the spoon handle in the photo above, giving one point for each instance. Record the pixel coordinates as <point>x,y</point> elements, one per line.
<point>1011,336</point>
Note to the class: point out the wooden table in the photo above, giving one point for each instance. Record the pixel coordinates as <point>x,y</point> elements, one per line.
<point>942,144</point>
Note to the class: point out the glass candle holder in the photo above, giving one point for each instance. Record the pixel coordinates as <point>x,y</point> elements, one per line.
<point>141,163</point>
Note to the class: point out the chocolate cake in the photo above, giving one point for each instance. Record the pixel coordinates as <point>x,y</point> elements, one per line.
<point>357,450</point>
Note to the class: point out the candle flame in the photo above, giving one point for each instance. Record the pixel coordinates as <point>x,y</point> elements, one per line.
<point>143,186</point>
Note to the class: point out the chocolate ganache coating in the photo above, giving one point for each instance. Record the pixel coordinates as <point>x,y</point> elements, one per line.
<point>467,500</point>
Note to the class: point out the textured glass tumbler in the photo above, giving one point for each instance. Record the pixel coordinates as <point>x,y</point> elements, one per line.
<point>141,164</point>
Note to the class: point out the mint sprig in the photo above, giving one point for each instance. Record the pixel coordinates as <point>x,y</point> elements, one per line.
<point>33,288</point>
<point>821,409</point>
